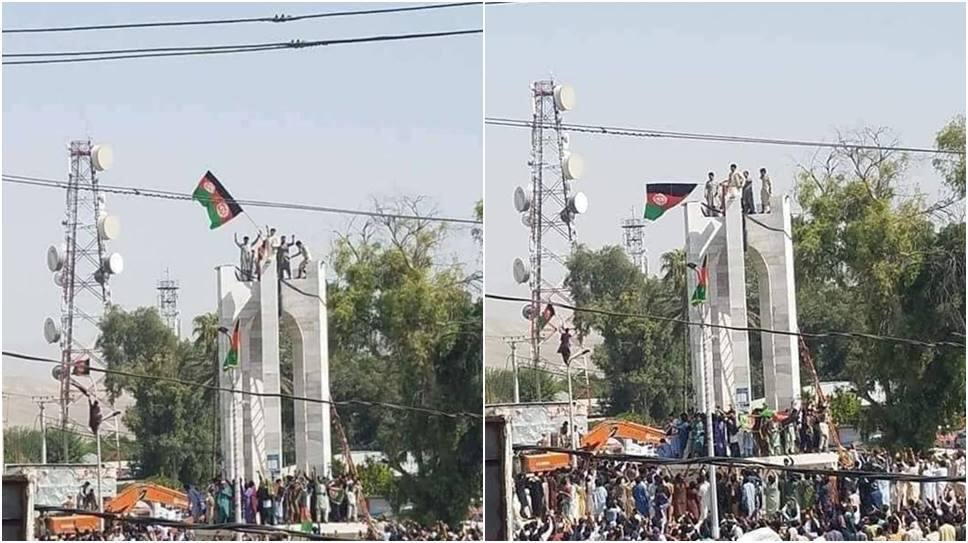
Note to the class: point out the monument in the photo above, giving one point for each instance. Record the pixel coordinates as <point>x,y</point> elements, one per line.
<point>725,241</point>
<point>252,425</point>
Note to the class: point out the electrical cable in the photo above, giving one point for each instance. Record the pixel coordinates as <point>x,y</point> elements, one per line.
<point>169,195</point>
<point>280,18</point>
<point>652,133</point>
<point>812,335</point>
<point>366,403</point>
<point>218,50</point>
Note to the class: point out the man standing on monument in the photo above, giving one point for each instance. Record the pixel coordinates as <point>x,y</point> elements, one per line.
<point>766,191</point>
<point>306,257</point>
<point>748,206</point>
<point>246,256</point>
<point>282,258</point>
<point>711,189</point>
<point>732,186</point>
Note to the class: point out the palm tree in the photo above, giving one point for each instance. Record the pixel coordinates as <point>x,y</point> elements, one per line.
<point>674,269</point>
<point>203,367</point>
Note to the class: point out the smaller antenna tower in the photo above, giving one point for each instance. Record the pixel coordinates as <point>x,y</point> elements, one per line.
<point>633,239</point>
<point>168,303</point>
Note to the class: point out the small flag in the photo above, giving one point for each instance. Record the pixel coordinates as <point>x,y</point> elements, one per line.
<point>702,282</point>
<point>661,197</point>
<point>546,315</point>
<point>82,366</point>
<point>216,200</point>
<point>232,359</point>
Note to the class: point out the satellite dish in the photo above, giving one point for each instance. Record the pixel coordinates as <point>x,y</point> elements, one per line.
<point>522,202</point>
<point>578,203</point>
<point>109,227</point>
<point>573,166</point>
<point>521,271</point>
<point>52,331</point>
<point>55,257</point>
<point>113,263</point>
<point>526,312</point>
<point>59,279</point>
<point>56,372</point>
<point>99,277</point>
<point>526,219</point>
<point>102,157</point>
<point>564,97</point>
<point>566,215</point>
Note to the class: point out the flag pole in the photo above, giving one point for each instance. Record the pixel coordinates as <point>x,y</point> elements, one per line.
<point>710,433</point>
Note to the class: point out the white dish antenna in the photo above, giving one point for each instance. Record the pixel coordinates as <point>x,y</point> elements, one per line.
<point>113,264</point>
<point>578,203</point>
<point>573,166</point>
<point>55,257</point>
<point>521,271</point>
<point>526,219</point>
<point>52,332</point>
<point>564,97</point>
<point>59,279</point>
<point>102,157</point>
<point>522,202</point>
<point>109,226</point>
<point>526,312</point>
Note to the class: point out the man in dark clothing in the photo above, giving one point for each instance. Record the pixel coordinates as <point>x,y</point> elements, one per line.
<point>564,348</point>
<point>282,257</point>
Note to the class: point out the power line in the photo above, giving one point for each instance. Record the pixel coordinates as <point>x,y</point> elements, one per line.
<point>169,195</point>
<point>226,49</point>
<point>811,335</point>
<point>367,403</point>
<point>280,18</point>
<point>652,133</point>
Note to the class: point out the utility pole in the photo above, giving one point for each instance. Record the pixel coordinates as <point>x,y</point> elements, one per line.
<point>43,434</point>
<point>514,371</point>
<point>710,434</point>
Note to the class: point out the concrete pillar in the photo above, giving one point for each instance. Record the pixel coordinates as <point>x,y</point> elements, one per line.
<point>266,419</point>
<point>233,296</point>
<point>307,306</point>
<point>771,236</point>
<point>736,365</point>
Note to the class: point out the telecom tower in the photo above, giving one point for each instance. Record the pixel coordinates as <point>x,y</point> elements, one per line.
<point>549,208</point>
<point>82,266</point>
<point>633,239</point>
<point>168,304</point>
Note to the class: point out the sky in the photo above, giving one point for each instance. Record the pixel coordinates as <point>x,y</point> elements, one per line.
<point>772,70</point>
<point>334,126</point>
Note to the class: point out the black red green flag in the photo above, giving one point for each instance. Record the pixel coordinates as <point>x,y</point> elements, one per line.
<point>545,317</point>
<point>661,197</point>
<point>232,359</point>
<point>702,282</point>
<point>216,200</point>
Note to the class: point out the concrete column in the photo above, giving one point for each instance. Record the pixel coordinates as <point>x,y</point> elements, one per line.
<point>233,296</point>
<point>307,307</point>
<point>736,361</point>
<point>768,358</point>
<point>267,411</point>
<point>299,407</point>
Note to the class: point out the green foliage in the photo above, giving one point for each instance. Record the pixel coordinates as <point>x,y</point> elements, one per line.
<point>499,385</point>
<point>643,361</point>
<point>845,407</point>
<point>379,480</point>
<point>22,445</point>
<point>869,259</point>
<point>404,329</point>
<point>952,167</point>
<point>172,422</point>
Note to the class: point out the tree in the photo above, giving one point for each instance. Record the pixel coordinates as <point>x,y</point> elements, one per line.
<point>869,258</point>
<point>22,445</point>
<point>405,329</point>
<point>172,422</point>
<point>845,407</point>
<point>952,167</point>
<point>642,359</point>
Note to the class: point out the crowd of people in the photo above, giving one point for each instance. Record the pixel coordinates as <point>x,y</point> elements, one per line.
<point>294,500</point>
<point>762,432</point>
<point>603,499</point>
<point>256,254</point>
<point>718,192</point>
<point>126,532</point>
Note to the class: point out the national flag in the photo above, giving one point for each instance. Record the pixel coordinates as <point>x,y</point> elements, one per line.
<point>216,200</point>
<point>661,197</point>
<point>232,359</point>
<point>546,315</point>
<point>82,366</point>
<point>702,282</point>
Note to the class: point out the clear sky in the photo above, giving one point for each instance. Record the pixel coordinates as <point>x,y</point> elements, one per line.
<point>772,70</point>
<point>331,126</point>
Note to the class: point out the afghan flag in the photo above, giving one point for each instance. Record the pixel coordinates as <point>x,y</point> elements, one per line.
<point>702,282</point>
<point>232,359</point>
<point>661,197</point>
<point>216,200</point>
<point>545,317</point>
